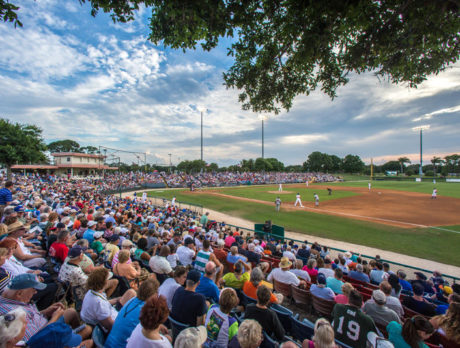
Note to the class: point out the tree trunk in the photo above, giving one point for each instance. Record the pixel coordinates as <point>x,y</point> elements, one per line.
<point>9,174</point>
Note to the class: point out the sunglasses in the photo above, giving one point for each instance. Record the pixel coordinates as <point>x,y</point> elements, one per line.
<point>8,318</point>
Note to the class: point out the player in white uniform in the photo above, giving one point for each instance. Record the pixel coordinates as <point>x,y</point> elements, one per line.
<point>316,197</point>
<point>280,187</point>
<point>434,194</point>
<point>144,197</point>
<point>173,201</point>
<point>277,203</point>
<point>306,183</point>
<point>297,200</point>
<point>369,185</point>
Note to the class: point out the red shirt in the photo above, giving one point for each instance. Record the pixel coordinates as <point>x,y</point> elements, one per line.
<point>59,251</point>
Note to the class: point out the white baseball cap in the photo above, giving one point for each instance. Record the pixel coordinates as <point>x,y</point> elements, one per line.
<point>191,337</point>
<point>92,223</point>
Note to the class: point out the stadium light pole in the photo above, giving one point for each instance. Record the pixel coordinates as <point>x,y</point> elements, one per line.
<point>421,128</point>
<point>263,118</point>
<point>170,163</point>
<point>201,109</point>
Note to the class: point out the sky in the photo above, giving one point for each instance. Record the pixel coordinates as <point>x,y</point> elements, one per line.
<point>99,83</point>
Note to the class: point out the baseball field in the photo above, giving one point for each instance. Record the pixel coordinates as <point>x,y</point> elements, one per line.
<point>396,216</point>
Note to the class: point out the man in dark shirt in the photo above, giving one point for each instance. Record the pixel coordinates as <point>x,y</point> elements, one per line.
<point>252,255</point>
<point>417,303</point>
<point>304,252</point>
<point>263,315</point>
<point>351,325</point>
<point>189,307</point>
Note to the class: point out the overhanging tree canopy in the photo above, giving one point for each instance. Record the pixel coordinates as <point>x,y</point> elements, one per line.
<point>287,48</point>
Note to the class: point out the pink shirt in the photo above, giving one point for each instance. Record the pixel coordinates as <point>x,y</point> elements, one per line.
<point>229,241</point>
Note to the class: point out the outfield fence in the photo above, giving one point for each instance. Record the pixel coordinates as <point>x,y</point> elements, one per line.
<point>413,269</point>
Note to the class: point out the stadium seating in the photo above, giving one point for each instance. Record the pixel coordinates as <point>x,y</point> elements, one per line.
<point>301,297</point>
<point>301,330</point>
<point>282,288</point>
<point>176,327</point>
<point>98,337</point>
<point>323,307</point>
<point>284,315</point>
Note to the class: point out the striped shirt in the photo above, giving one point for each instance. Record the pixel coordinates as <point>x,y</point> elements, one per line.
<point>5,196</point>
<point>5,278</point>
<point>201,260</point>
<point>35,320</point>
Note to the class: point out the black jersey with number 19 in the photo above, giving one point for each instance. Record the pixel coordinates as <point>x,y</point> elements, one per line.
<point>351,326</point>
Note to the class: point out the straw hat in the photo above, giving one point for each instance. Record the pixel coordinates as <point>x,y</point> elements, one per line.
<point>15,226</point>
<point>285,263</point>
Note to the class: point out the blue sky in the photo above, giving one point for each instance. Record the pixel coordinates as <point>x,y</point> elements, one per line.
<point>101,83</point>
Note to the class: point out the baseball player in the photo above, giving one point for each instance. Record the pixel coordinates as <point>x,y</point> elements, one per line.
<point>278,203</point>
<point>173,201</point>
<point>306,183</point>
<point>434,194</point>
<point>316,197</point>
<point>144,197</point>
<point>369,185</point>
<point>280,187</point>
<point>297,200</point>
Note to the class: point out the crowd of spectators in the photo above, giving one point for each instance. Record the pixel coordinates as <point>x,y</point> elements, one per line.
<point>75,262</point>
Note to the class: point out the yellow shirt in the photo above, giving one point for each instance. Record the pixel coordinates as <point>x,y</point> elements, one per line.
<point>113,250</point>
<point>231,280</point>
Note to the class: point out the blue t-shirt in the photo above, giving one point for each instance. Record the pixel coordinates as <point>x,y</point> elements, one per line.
<point>359,276</point>
<point>208,288</point>
<point>405,284</point>
<point>5,196</point>
<point>89,235</point>
<point>334,284</point>
<point>124,325</point>
<point>394,330</point>
<point>234,258</point>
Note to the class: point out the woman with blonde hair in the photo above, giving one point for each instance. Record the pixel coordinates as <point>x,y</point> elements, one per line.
<point>130,271</point>
<point>343,297</point>
<point>3,229</point>
<point>323,336</point>
<point>250,334</point>
<point>448,324</point>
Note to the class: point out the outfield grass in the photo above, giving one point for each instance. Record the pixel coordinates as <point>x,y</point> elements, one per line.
<point>261,193</point>
<point>432,244</point>
<point>450,189</point>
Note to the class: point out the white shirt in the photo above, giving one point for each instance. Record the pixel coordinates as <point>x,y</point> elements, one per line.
<point>328,272</point>
<point>289,254</point>
<point>138,340</point>
<point>96,308</point>
<point>297,196</point>
<point>185,255</point>
<point>15,267</point>
<point>302,274</point>
<point>281,276</point>
<point>172,259</point>
<point>160,265</point>
<point>167,289</point>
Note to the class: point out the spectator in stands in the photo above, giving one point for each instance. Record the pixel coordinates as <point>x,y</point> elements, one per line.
<point>359,274</point>
<point>128,317</point>
<point>186,252</point>
<point>249,334</point>
<point>351,325</point>
<point>192,337</point>
<point>240,275</point>
<point>260,312</point>
<point>289,254</point>
<point>205,255</point>
<point>418,303</point>
<point>310,267</point>
<point>233,256</point>
<point>449,324</point>
<point>57,335</point>
<point>207,286</point>
<point>343,297</point>
<point>140,254</point>
<point>299,272</point>
<point>26,252</point>
<point>12,328</point>
<point>170,285</point>
<point>376,275</point>
<point>421,279</point>
<point>335,283</point>
<point>221,326</point>
<point>160,265</point>
<point>403,282</point>
<point>6,196</point>
<point>131,271</point>
<point>189,307</point>
<point>96,245</point>
<point>250,287</point>
<point>304,252</point>
<point>229,240</point>
<point>343,266</point>
<point>220,253</point>
<point>89,233</point>
<point>59,248</point>
<point>396,288</point>
<point>323,336</point>
<point>320,289</point>
<point>378,311</point>
<point>437,279</point>
<point>19,295</point>
<point>252,256</point>
<point>411,334</point>
<point>96,307</point>
<point>327,268</point>
<point>283,275</point>
<point>111,248</point>
<point>151,332</point>
<point>5,276</point>
<point>392,302</point>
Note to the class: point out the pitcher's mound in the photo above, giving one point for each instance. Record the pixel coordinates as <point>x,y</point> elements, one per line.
<point>281,193</point>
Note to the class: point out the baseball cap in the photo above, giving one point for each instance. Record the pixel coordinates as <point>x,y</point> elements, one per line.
<point>420,275</point>
<point>191,337</point>
<point>92,223</point>
<point>55,335</point>
<point>98,234</point>
<point>194,275</point>
<point>75,252</point>
<point>379,297</point>
<point>15,226</point>
<point>321,279</point>
<point>378,342</point>
<point>26,281</point>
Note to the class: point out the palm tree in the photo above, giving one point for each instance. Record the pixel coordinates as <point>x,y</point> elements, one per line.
<point>403,160</point>
<point>436,160</point>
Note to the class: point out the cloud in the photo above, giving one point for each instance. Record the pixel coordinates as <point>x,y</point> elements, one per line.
<point>302,139</point>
